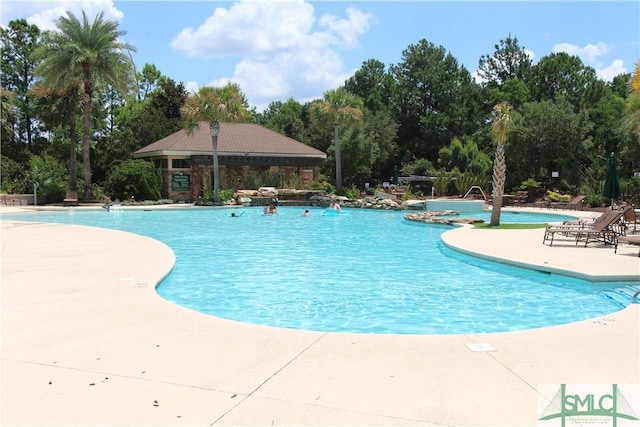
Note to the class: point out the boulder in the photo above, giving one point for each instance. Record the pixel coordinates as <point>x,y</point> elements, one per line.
<point>268,192</point>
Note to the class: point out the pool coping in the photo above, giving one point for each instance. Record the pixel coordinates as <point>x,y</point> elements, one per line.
<point>121,355</point>
<point>595,263</point>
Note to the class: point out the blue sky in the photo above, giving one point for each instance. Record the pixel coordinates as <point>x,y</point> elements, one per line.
<point>280,49</point>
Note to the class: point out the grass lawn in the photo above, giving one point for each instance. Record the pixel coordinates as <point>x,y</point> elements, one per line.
<point>510,226</point>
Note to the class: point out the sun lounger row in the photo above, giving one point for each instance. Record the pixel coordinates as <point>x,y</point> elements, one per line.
<point>606,228</point>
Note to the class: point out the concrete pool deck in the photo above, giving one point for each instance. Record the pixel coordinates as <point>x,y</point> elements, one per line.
<point>87,341</point>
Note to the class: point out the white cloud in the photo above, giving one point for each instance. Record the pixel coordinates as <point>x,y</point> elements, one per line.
<point>191,86</point>
<point>303,75</point>
<point>348,30</point>
<point>44,13</point>
<point>530,54</point>
<point>608,73</point>
<point>477,77</point>
<point>248,27</point>
<point>280,53</point>
<point>590,55</point>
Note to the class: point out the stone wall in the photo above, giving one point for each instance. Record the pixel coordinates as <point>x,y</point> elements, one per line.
<point>16,199</point>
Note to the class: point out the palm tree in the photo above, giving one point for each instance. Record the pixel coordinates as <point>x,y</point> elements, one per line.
<point>499,131</point>
<point>339,107</point>
<point>214,105</point>
<point>88,56</point>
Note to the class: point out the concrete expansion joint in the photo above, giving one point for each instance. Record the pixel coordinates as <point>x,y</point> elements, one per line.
<point>289,362</point>
<point>273,375</point>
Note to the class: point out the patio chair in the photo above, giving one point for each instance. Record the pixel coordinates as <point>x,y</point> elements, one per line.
<point>630,219</point>
<point>70,199</point>
<point>605,227</point>
<point>520,198</point>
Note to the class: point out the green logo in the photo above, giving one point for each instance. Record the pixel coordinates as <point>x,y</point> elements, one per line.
<point>589,407</point>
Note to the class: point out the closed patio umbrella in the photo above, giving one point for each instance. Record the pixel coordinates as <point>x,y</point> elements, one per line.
<point>611,188</point>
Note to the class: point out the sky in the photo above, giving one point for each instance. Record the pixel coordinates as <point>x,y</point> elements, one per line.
<point>281,49</point>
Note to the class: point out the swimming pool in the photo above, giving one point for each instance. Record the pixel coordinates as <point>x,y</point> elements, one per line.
<point>364,271</point>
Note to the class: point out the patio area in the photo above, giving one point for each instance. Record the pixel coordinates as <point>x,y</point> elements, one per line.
<point>87,341</point>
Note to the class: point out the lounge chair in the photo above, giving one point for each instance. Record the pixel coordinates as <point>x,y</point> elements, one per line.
<point>608,231</point>
<point>630,240</point>
<point>571,228</point>
<point>574,203</point>
<point>605,227</point>
<point>585,220</point>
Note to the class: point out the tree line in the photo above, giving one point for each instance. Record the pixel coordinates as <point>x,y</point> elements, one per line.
<point>74,109</point>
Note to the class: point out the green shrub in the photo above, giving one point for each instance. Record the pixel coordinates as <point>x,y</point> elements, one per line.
<point>273,178</point>
<point>252,180</point>
<point>630,188</point>
<point>13,175</point>
<point>407,194</point>
<point>593,197</point>
<point>226,195</point>
<point>554,196</point>
<point>418,167</point>
<point>442,182</point>
<point>137,178</point>
<point>51,176</point>
<point>322,184</point>
<point>352,193</point>
<point>595,200</point>
<point>464,182</point>
<point>529,184</point>
<point>295,182</point>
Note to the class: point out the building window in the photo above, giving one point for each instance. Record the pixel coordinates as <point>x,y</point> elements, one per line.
<point>180,164</point>
<point>160,163</point>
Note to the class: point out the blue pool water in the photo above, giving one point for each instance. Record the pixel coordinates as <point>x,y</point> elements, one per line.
<point>362,271</point>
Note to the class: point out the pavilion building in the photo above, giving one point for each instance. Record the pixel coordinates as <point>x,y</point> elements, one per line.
<point>244,150</point>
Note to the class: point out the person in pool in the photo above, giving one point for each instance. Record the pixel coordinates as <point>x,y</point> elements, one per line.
<point>306,213</point>
<point>335,205</point>
<point>107,203</point>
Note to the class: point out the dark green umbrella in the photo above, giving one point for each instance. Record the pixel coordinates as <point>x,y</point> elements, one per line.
<point>394,178</point>
<point>611,188</point>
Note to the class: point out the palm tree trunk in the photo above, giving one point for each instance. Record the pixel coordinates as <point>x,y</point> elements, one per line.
<point>216,170</point>
<point>86,129</point>
<point>338,162</point>
<point>73,178</point>
<point>499,177</point>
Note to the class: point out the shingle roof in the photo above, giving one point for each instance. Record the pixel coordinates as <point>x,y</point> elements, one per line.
<point>234,139</point>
